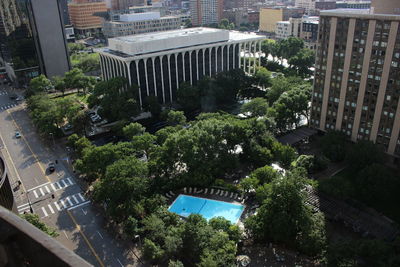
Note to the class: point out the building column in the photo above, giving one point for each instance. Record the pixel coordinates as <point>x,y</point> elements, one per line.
<point>328,73</point>
<point>183,63</point>
<point>162,77</point>
<point>204,63</point>
<point>127,65</point>
<point>259,53</point>
<point>190,65</point>
<point>216,60</point>
<point>395,131</point>
<point>222,58</point>
<point>244,57</point>
<point>197,64</point>
<point>364,77</point>
<point>345,77</point>
<point>233,56</point>
<point>250,50</point>
<point>177,70</point>
<point>138,80</point>
<point>154,77</point>
<point>384,80</point>
<point>170,83</point>
<point>145,72</point>
<point>209,58</point>
<point>228,49</point>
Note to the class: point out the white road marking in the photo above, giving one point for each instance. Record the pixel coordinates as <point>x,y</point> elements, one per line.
<point>41,191</point>
<point>65,234</point>
<point>52,186</point>
<point>76,200</point>
<point>69,201</point>
<point>50,208</point>
<point>69,180</point>
<point>36,195</point>
<point>58,185</point>
<point>120,262</point>
<point>77,206</point>
<point>20,206</point>
<point>64,183</point>
<point>62,203</point>
<point>44,212</point>
<point>80,195</point>
<point>47,189</point>
<point>58,207</point>
<point>33,188</point>
<point>100,234</point>
<point>84,211</point>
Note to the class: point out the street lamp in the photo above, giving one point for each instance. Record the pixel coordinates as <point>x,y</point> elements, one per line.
<point>52,137</point>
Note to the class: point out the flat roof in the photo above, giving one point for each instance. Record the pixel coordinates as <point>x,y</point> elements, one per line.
<point>353,12</point>
<point>139,44</point>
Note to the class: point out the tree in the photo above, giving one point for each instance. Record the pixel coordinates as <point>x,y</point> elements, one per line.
<point>263,77</point>
<point>363,154</point>
<point>280,85</point>
<point>35,221</point>
<point>304,161</point>
<point>176,118</point>
<point>37,85</point>
<point>285,155</point>
<point>75,47</point>
<point>188,97</point>
<point>80,121</point>
<point>333,145</point>
<point>257,107</point>
<point>302,61</point>
<point>151,105</point>
<point>59,84</point>
<point>265,174</point>
<point>133,129</point>
<point>248,184</point>
<point>177,263</point>
<point>144,143</point>
<point>151,251</point>
<point>74,79</point>
<point>291,46</point>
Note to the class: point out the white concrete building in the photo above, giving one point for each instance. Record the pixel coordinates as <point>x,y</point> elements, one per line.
<point>159,62</point>
<point>283,30</point>
<point>136,23</point>
<point>308,5</point>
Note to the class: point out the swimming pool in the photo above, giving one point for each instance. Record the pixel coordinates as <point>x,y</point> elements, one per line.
<point>185,205</point>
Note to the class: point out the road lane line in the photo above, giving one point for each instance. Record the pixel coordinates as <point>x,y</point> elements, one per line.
<point>20,206</point>
<point>80,195</point>
<point>62,203</point>
<point>47,189</point>
<point>77,206</point>
<point>69,201</point>
<point>64,183</point>
<point>75,199</point>
<point>120,262</point>
<point>52,186</point>
<point>69,180</point>
<point>85,238</point>
<point>100,234</point>
<point>58,207</point>
<point>65,234</point>
<point>34,155</point>
<point>50,208</point>
<point>36,195</point>
<point>33,188</point>
<point>41,191</point>
<point>44,212</point>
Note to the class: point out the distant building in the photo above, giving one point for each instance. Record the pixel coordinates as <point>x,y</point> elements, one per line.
<point>309,32</point>
<point>325,5</point>
<point>253,16</point>
<point>64,12</point>
<point>270,16</point>
<point>126,4</point>
<point>282,30</point>
<point>357,85</point>
<point>159,62</point>
<point>206,12</point>
<point>69,33</point>
<point>308,5</point>
<point>82,18</point>
<point>32,39</point>
<point>130,24</point>
<point>353,4</point>
<point>295,27</point>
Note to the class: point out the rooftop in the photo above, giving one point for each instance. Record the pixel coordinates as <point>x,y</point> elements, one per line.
<point>350,12</point>
<point>135,45</point>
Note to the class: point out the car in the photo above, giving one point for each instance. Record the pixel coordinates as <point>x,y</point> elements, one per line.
<point>52,167</point>
<point>18,135</point>
<point>68,127</point>
<point>91,113</point>
<point>20,98</point>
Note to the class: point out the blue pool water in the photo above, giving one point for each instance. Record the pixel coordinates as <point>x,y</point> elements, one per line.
<point>185,205</point>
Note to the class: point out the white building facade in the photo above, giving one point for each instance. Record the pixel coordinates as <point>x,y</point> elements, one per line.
<point>283,30</point>
<point>308,5</point>
<point>159,62</point>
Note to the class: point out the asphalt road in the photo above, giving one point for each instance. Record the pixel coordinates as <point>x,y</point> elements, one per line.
<point>56,198</point>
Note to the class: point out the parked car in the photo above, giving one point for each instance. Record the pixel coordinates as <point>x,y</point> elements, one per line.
<point>52,167</point>
<point>18,135</point>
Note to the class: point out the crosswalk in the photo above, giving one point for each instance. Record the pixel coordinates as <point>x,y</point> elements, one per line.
<point>8,106</point>
<point>46,210</point>
<point>3,93</point>
<point>48,188</point>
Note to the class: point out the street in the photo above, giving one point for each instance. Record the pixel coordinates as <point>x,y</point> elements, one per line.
<point>56,197</point>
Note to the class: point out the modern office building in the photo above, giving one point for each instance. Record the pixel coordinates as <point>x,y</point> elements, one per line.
<point>159,62</point>
<point>130,24</point>
<point>82,18</point>
<point>32,39</point>
<point>206,12</point>
<point>357,85</point>
<point>270,16</point>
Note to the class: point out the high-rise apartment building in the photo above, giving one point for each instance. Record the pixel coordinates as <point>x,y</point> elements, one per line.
<point>32,39</point>
<point>357,84</point>
<point>206,12</point>
<point>82,18</point>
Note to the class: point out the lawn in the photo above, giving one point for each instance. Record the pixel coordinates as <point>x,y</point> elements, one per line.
<point>81,97</point>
